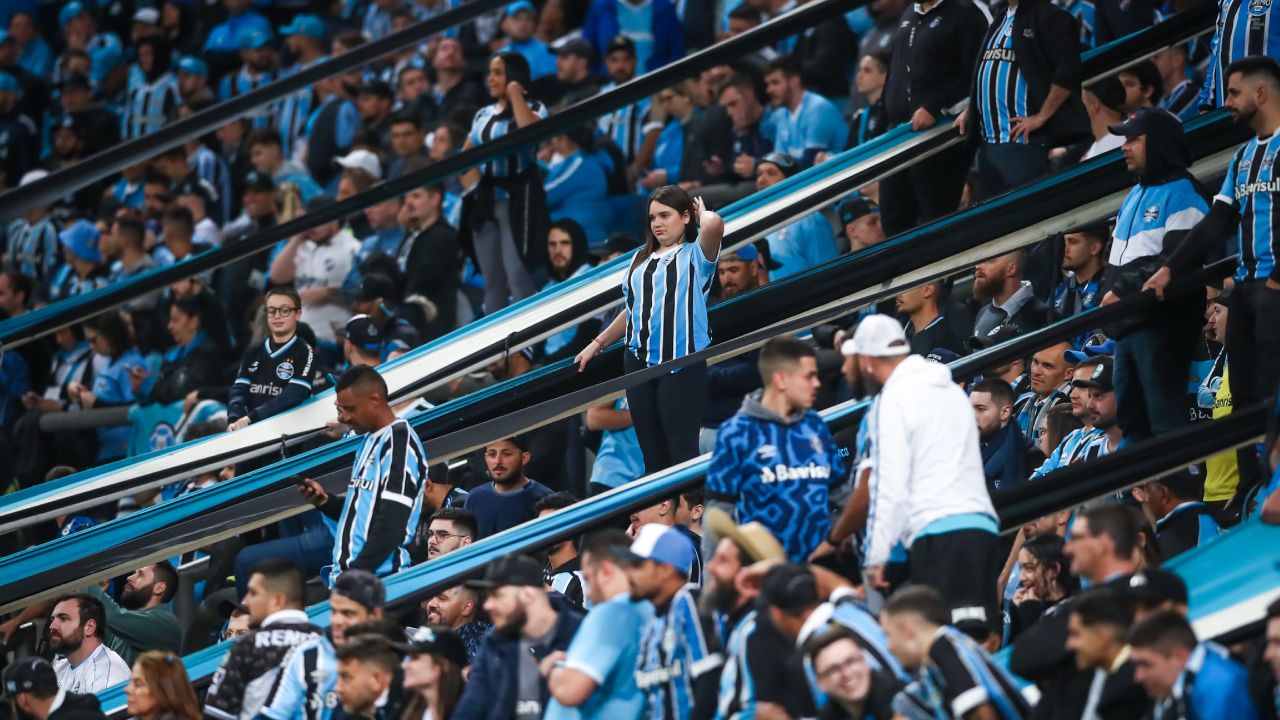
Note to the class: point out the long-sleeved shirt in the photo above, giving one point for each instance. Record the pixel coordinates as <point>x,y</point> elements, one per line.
<point>133,632</point>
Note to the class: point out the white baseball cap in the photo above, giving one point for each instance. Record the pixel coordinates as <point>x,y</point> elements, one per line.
<point>362,160</point>
<point>149,16</point>
<point>877,336</point>
<point>32,176</point>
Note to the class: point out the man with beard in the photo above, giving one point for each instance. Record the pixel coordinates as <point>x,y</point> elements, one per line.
<point>568,257</point>
<point>506,680</point>
<point>679,661</point>
<point>76,630</point>
<point>1101,407</point>
<point>31,687</point>
<point>1013,300</point>
<point>563,572</point>
<point>741,270</point>
<point>1049,371</point>
<point>1003,445</point>
<point>258,69</point>
<point>459,609</point>
<point>142,619</point>
<point>310,670</point>
<point>243,683</point>
<point>451,528</point>
<point>509,499</point>
<point>595,678</point>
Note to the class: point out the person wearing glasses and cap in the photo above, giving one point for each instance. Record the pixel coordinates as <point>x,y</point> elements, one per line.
<point>804,243</point>
<point>276,375</point>
<point>927,481</point>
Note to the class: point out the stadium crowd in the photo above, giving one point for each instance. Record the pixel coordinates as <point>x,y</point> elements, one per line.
<point>860,575</point>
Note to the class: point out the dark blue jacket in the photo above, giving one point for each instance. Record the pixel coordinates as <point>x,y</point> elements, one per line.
<point>494,679</point>
<point>1004,458</point>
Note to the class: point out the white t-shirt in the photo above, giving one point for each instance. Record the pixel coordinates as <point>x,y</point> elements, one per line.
<point>1104,144</point>
<point>325,266</point>
<point>101,670</point>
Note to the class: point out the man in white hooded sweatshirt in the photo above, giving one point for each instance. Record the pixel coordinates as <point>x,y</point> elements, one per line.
<point>927,484</point>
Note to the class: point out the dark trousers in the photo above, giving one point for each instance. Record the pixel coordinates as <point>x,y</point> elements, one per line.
<point>1005,166</point>
<point>667,413</point>
<point>1253,351</point>
<point>925,191</point>
<point>963,566</point>
<point>1150,376</point>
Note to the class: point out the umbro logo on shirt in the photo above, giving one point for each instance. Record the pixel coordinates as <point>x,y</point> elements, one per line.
<point>767,452</point>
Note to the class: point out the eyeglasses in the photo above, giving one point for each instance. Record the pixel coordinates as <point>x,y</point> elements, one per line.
<point>280,311</point>
<point>849,664</point>
<point>442,535</point>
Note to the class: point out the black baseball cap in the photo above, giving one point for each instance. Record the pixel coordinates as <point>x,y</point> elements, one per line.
<point>193,186</point>
<point>789,587</point>
<point>994,336</point>
<point>1154,586</point>
<point>855,207</point>
<point>620,42</point>
<point>1099,378</point>
<point>378,87</point>
<point>363,332</point>
<point>361,586</point>
<point>1144,121</point>
<point>520,570</point>
<point>785,162</point>
<point>319,202</point>
<point>374,286</point>
<point>441,642</point>
<point>29,674</point>
<point>255,181</point>
<point>574,46</point>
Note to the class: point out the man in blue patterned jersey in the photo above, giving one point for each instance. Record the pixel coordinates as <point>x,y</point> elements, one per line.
<point>1248,195</point>
<point>775,460</point>
<point>375,523</point>
<point>680,659</point>
<point>1244,28</point>
<point>306,688</point>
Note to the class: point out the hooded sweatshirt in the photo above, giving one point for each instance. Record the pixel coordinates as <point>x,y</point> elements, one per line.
<point>777,471</point>
<point>927,475</point>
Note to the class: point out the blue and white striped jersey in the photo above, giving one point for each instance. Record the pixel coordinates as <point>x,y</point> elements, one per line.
<point>1250,187</point>
<point>490,124</point>
<point>625,126</point>
<point>676,649</point>
<point>210,167</point>
<point>148,105</point>
<point>244,81</point>
<point>1083,11</point>
<point>294,109</point>
<point>389,468</point>
<point>307,686</point>
<point>1002,90</point>
<point>1068,451</point>
<point>1183,101</point>
<point>1148,214</point>
<point>1244,28</point>
<point>666,301</point>
<point>960,676</point>
<point>32,248</point>
<point>760,666</point>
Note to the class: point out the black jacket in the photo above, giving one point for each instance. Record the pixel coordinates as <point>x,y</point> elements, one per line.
<point>432,266</point>
<point>200,369</point>
<point>78,707</point>
<point>824,51</point>
<point>932,54</point>
<point>1046,43</point>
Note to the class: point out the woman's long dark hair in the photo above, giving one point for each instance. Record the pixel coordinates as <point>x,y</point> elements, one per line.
<point>450,690</point>
<point>676,198</point>
<point>115,330</point>
<point>1049,551</point>
<point>517,69</point>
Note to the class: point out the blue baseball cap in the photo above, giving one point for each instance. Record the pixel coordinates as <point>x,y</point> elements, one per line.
<point>70,11</point>
<point>305,24</point>
<point>81,238</point>
<point>253,38</point>
<point>757,251</point>
<point>1096,346</point>
<point>192,65</point>
<point>664,544</point>
<point>9,83</point>
<point>942,355</point>
<point>75,523</point>
<point>520,6</point>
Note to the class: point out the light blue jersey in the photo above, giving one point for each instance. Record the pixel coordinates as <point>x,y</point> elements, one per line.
<point>605,649</point>
<point>1250,187</point>
<point>1002,90</point>
<point>619,460</point>
<point>814,126</point>
<point>306,688</point>
<point>1148,213</point>
<point>801,245</point>
<point>1244,28</point>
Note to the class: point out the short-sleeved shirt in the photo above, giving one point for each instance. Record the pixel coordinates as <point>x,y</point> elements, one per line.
<point>666,301</point>
<point>1250,187</point>
<point>803,244</point>
<point>677,647</point>
<point>307,686</point>
<point>1002,90</point>
<point>101,670</point>
<point>497,511</point>
<point>816,124</point>
<point>325,266</point>
<point>605,649</point>
<point>761,666</point>
<point>960,676</point>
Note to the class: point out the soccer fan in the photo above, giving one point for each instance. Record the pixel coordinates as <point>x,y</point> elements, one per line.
<point>510,497</point>
<point>804,123</point>
<point>930,66</point>
<point>666,513</point>
<point>1102,409</point>
<point>1072,447</point>
<point>84,663</point>
<point>860,220</point>
<point>961,679</point>
<point>1025,94</point>
<point>31,242</point>
<point>1049,371</point>
<point>433,671</point>
<point>595,678</point>
<point>1156,590</point>
<point>1180,93</point>
<point>266,155</point>
<point>927,329</point>
<point>506,679</point>
<point>317,262</point>
<point>31,687</point>
<point>453,90</point>
<point>259,68</point>
<point>1042,576</point>
<point>306,684</point>
<point>733,547</point>
<point>276,375</point>
<point>451,528</point>
<point>927,479</point>
<point>376,299</point>
<point>563,571</point>
<point>804,243</point>
<point>577,188</point>
<point>679,657</point>
<point>1174,504</point>
<point>1186,678</point>
<point>627,126</point>
<point>242,685</point>
<point>459,608</point>
<point>1097,631</point>
<point>653,29</point>
<point>854,690</point>
<point>408,140</point>
<point>1013,299</point>
<point>775,459</point>
<point>1241,30</point>
<point>869,121</point>
<point>573,81</point>
<point>519,21</point>
<point>737,96</point>
<point>429,254</point>
<point>1143,87</point>
<point>367,683</point>
<point>1247,195</point>
<point>569,257</point>
<point>83,271</point>
<point>362,342</point>
<point>1083,268</point>
<point>142,620</point>
<point>376,520</point>
<point>1004,447</point>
